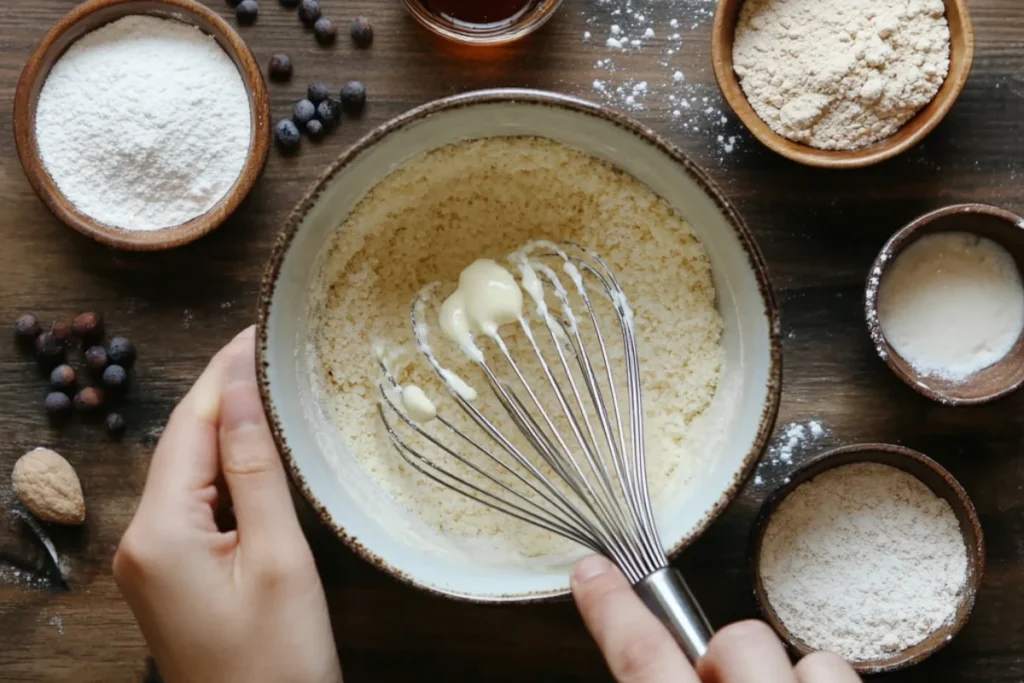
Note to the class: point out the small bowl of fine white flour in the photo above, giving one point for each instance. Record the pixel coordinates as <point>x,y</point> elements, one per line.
<point>873,552</point>
<point>945,304</point>
<point>142,124</point>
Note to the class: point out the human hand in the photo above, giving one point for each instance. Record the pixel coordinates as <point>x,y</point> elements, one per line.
<point>224,606</point>
<point>639,649</point>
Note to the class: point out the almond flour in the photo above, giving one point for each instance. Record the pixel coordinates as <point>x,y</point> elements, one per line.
<point>840,74</point>
<point>864,561</point>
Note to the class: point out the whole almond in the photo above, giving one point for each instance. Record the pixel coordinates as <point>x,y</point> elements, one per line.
<point>48,487</point>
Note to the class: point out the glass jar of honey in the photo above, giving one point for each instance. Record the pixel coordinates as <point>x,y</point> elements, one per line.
<point>482,22</point>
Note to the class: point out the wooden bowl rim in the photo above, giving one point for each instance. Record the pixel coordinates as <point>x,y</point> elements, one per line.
<point>728,83</point>
<point>957,498</point>
<point>900,240</point>
<point>142,240</point>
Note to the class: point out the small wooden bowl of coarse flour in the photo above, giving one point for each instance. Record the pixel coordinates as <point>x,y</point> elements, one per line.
<point>944,304</point>
<point>871,551</point>
<point>821,81</point>
<point>173,144</point>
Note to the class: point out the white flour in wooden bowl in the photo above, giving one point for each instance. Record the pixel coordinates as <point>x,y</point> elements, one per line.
<point>435,215</point>
<point>864,561</point>
<point>840,74</point>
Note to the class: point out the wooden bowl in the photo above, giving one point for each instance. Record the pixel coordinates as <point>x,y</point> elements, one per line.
<point>88,17</point>
<point>935,477</point>
<point>961,55</point>
<point>988,384</point>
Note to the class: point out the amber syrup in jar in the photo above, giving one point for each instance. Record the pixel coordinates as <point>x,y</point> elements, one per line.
<point>480,14</point>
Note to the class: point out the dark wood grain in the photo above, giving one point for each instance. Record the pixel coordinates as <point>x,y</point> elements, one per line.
<point>818,229</point>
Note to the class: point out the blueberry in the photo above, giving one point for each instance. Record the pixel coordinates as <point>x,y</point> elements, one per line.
<point>329,112</point>
<point>96,359</point>
<point>58,405</point>
<point>362,32</point>
<point>116,425</point>
<point>27,327</point>
<point>309,11</point>
<point>115,377</point>
<point>63,378</point>
<point>88,326</point>
<point>287,136</point>
<point>50,351</point>
<point>280,68</point>
<point>246,12</point>
<point>121,351</point>
<point>353,97</point>
<point>233,3</point>
<point>89,400</point>
<point>62,331</point>
<point>303,113</point>
<point>317,93</point>
<point>325,31</point>
<point>315,130</point>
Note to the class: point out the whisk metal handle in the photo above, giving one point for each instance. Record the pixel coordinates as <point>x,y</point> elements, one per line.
<point>666,594</point>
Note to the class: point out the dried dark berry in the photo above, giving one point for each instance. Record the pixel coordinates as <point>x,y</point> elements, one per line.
<point>329,112</point>
<point>89,400</point>
<point>63,378</point>
<point>315,130</point>
<point>116,425</point>
<point>317,93</point>
<point>280,67</point>
<point>309,11</point>
<point>246,12</point>
<point>96,358</point>
<point>115,377</point>
<point>50,351</point>
<point>362,32</point>
<point>88,326</point>
<point>121,352</point>
<point>287,136</point>
<point>303,112</point>
<point>62,331</point>
<point>325,31</point>
<point>27,328</point>
<point>289,3</point>
<point>58,405</point>
<point>353,97</point>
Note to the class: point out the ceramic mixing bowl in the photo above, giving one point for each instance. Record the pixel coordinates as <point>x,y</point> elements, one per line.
<point>347,500</point>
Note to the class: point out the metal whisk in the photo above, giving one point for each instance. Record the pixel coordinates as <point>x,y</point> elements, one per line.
<point>575,464</point>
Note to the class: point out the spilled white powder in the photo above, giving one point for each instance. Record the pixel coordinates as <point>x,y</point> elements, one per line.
<point>952,304</point>
<point>864,561</point>
<point>144,123</point>
<point>840,74</point>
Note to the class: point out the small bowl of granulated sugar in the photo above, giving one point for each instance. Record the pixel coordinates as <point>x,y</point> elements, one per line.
<point>841,83</point>
<point>873,552</point>
<point>142,124</point>
<point>945,304</point>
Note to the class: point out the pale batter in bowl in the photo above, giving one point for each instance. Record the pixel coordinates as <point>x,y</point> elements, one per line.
<point>436,214</point>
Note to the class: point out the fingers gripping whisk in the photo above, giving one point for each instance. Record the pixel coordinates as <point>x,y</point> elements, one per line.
<point>558,441</point>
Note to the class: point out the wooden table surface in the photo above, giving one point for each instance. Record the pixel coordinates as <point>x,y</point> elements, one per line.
<point>819,232</point>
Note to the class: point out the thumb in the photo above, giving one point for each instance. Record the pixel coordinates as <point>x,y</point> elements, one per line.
<point>268,527</point>
<point>636,646</point>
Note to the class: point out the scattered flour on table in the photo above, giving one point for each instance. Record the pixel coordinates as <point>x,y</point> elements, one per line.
<point>144,123</point>
<point>864,560</point>
<point>791,440</point>
<point>840,74</point>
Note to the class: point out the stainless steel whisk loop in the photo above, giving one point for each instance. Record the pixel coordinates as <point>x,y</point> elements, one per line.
<point>575,462</point>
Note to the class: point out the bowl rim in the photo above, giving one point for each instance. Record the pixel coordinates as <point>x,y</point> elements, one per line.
<point>46,189</point>
<point>732,92</point>
<point>861,453</point>
<point>899,241</point>
<point>766,420</point>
